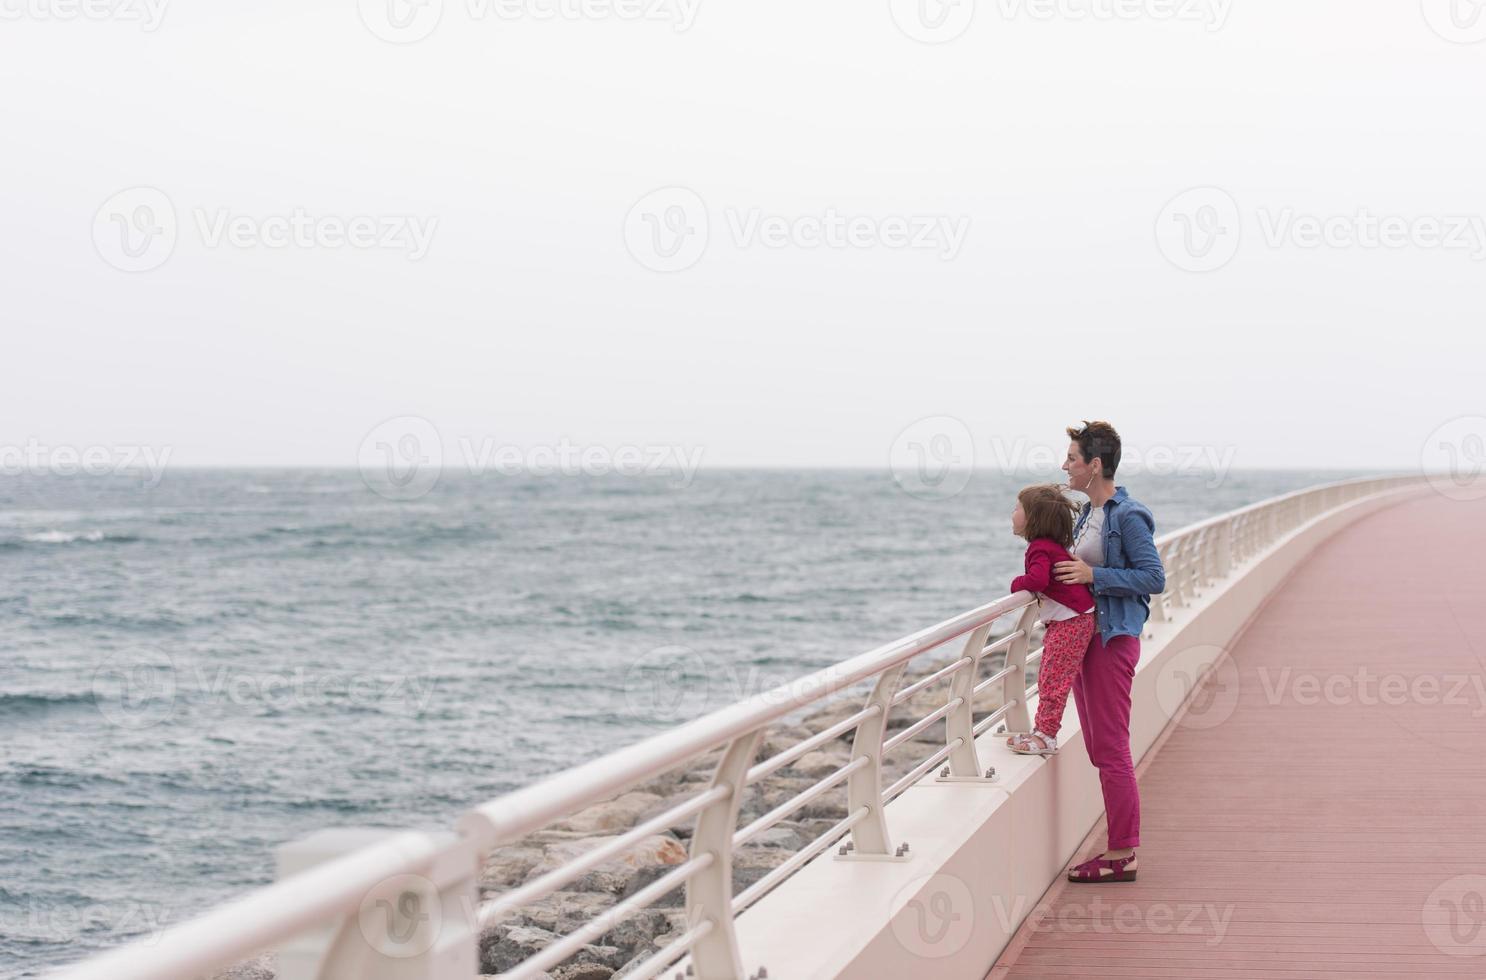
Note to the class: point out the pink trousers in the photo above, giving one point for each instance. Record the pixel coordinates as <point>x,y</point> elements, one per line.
<point>1102,694</point>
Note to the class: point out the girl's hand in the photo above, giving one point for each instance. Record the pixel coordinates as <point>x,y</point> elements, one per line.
<point>1073,572</point>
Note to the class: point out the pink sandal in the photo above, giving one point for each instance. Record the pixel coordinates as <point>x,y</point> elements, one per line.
<point>1092,871</point>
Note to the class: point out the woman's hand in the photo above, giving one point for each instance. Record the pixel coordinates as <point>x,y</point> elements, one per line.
<point>1073,572</point>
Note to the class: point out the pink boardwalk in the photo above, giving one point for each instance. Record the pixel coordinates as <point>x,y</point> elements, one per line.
<point>1323,811</point>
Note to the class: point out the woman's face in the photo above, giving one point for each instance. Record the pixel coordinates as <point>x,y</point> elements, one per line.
<point>1081,475</point>
<point>1018,519</point>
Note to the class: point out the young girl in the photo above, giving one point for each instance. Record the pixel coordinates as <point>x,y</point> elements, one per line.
<point>1045,518</point>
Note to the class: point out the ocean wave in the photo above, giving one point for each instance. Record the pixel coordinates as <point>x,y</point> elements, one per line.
<point>76,537</point>
<point>27,704</point>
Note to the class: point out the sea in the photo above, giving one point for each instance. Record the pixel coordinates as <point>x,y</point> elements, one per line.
<point>200,665</point>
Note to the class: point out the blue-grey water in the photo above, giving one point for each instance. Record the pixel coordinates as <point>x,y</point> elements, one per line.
<point>194,672</point>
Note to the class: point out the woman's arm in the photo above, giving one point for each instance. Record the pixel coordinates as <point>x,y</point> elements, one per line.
<point>1039,572</point>
<point>1145,576</point>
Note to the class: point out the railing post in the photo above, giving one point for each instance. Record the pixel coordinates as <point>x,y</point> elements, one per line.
<point>1224,561</point>
<point>864,787</point>
<point>709,893</point>
<point>1014,685</point>
<point>414,926</point>
<point>964,762</point>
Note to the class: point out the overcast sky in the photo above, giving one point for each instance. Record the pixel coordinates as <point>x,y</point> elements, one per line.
<point>869,213</point>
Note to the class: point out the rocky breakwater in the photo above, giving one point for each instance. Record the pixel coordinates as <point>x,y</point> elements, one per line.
<point>526,930</point>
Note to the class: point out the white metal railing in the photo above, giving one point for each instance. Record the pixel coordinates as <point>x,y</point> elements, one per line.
<point>406,907</point>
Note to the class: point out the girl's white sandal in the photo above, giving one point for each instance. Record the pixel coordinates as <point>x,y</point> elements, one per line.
<point>1024,745</point>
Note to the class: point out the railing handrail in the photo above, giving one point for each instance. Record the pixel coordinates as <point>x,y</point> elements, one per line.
<point>522,811</point>
<point>1268,503</point>
<point>318,897</point>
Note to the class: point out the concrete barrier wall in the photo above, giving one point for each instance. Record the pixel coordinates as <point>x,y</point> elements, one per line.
<point>980,857</point>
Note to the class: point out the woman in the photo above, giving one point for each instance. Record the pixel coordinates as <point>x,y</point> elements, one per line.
<point>1114,553</point>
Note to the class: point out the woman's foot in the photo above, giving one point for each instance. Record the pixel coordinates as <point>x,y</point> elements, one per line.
<point>1106,868</point>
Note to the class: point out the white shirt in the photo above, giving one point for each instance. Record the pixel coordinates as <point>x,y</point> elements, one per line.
<point>1088,544</point>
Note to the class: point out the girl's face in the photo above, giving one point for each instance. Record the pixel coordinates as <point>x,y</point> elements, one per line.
<point>1018,519</point>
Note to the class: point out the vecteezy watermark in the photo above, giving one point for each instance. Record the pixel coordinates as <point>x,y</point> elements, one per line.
<point>1454,916</point>
<point>1200,230</point>
<point>408,21</point>
<point>404,458</point>
<point>1212,15</point>
<point>933,458</point>
<point>1177,459</point>
<point>933,915</point>
<point>1454,458</point>
<point>401,917</point>
<point>37,458</point>
<point>148,14</point>
<point>939,21</point>
<point>137,230</point>
<point>669,229</point>
<point>139,689</point>
<point>1201,682</point>
<point>69,923</point>
<point>1457,21</point>
<point>932,21</point>
<point>1367,688</point>
<point>1068,916</point>
<point>676,683</point>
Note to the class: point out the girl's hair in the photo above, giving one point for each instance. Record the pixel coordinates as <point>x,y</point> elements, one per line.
<point>1049,513</point>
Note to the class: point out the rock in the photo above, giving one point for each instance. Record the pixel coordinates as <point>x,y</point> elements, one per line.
<point>820,763</point>
<point>562,912</point>
<point>606,958</point>
<point>781,835</point>
<point>612,877</point>
<point>503,946</point>
<point>507,867</point>
<point>621,813</point>
<point>583,971</point>
<point>261,968</point>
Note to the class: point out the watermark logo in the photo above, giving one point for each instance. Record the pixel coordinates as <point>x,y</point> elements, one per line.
<point>1454,458</point>
<point>667,229</point>
<point>933,458</point>
<point>1098,917</point>
<point>148,14</point>
<point>135,229</point>
<point>401,459</point>
<point>1199,230</point>
<point>939,21</point>
<point>932,21</point>
<point>36,457</point>
<point>1161,459</point>
<point>409,21</point>
<point>936,917</point>
<point>1211,14</point>
<point>64,922</point>
<point>670,683</point>
<point>676,683</point>
<point>135,689</point>
<point>1364,687</point>
<point>1455,916</point>
<point>1202,678</point>
<point>401,21</point>
<point>1457,21</point>
<point>401,917</point>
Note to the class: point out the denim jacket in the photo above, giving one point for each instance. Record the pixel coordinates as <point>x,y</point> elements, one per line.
<point>1131,572</point>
